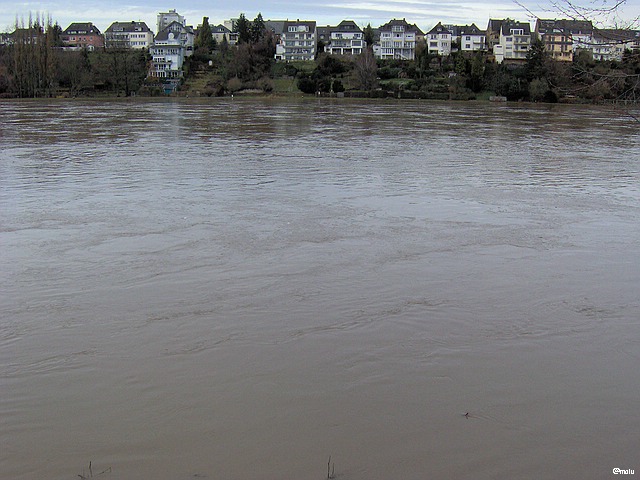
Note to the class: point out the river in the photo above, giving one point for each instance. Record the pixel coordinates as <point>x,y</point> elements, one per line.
<point>243,288</point>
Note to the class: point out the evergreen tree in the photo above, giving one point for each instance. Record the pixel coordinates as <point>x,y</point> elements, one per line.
<point>243,29</point>
<point>258,29</point>
<point>204,39</point>
<point>369,35</point>
<point>537,61</point>
<point>476,76</point>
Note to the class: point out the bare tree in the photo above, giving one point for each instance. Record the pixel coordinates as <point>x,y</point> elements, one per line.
<point>611,30</point>
<point>366,69</point>
<point>33,65</point>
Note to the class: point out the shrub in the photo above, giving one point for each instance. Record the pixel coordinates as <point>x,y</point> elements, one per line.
<point>337,86</point>
<point>307,85</point>
<point>234,84</point>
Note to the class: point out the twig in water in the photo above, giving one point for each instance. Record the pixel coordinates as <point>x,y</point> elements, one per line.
<point>331,469</point>
<point>82,476</point>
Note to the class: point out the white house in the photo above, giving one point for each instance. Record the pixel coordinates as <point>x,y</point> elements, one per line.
<point>297,42</point>
<point>345,39</point>
<point>168,52</point>
<point>129,34</point>
<point>514,41</point>
<point>398,40</point>
<point>472,39</point>
<point>439,40</point>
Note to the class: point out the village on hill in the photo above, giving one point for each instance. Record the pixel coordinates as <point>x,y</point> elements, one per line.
<point>553,60</point>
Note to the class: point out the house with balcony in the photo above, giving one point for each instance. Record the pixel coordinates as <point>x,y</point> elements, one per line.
<point>471,38</point>
<point>345,39</point>
<point>82,35</point>
<point>439,40</point>
<point>297,41</point>
<point>168,52</point>
<point>562,38</point>
<point>136,35</point>
<point>513,41</point>
<point>398,40</point>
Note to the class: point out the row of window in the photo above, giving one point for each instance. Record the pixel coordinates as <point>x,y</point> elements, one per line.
<point>298,44</point>
<point>349,35</point>
<point>353,43</point>
<point>298,28</point>
<point>300,36</point>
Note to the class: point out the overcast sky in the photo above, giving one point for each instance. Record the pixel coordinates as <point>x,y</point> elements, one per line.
<point>425,13</point>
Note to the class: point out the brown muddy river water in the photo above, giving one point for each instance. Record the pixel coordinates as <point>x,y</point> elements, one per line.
<point>239,289</point>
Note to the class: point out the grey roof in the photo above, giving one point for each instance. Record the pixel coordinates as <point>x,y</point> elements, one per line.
<point>173,27</point>
<point>575,27</point>
<point>439,28</point>
<point>347,26</point>
<point>471,30</point>
<point>495,24</point>
<point>276,26</point>
<point>81,28</point>
<point>616,35</point>
<point>408,27</point>
<point>343,26</point>
<point>127,27</point>
<point>508,25</point>
<point>220,29</point>
<point>310,24</point>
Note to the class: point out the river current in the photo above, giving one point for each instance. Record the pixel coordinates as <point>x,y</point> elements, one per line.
<point>243,288</point>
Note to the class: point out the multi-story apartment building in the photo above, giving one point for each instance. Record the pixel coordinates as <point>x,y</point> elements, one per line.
<point>563,37</point>
<point>345,39</point>
<point>398,39</point>
<point>297,41</point>
<point>82,35</point>
<point>439,40</point>
<point>129,35</point>
<point>514,41</point>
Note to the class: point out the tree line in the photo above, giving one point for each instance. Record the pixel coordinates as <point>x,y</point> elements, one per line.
<point>36,65</point>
